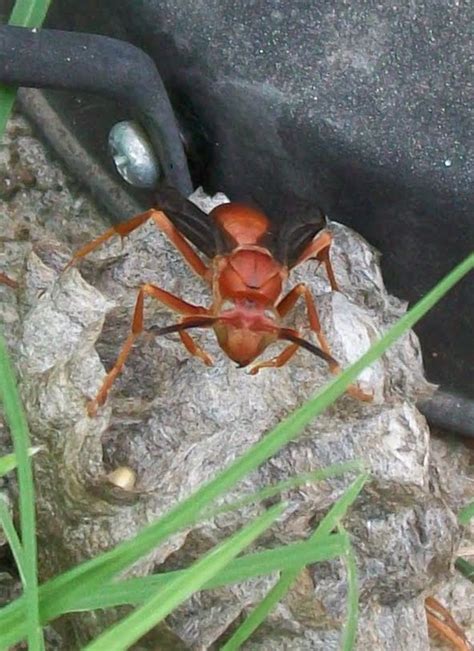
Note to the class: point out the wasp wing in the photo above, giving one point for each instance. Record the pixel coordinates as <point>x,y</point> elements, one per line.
<point>191,221</point>
<point>291,230</point>
<point>298,224</point>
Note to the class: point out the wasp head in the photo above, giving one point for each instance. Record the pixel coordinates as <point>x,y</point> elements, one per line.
<point>245,330</point>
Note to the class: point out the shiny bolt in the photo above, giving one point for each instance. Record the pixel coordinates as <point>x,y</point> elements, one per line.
<point>133,155</point>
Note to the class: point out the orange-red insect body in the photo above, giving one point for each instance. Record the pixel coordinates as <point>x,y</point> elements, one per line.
<point>247,284</point>
<point>246,277</point>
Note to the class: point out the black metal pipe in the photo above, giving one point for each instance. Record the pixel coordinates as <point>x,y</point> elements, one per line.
<point>91,63</point>
<point>451,412</point>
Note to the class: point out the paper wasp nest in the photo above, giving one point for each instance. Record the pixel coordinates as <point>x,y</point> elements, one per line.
<point>176,424</point>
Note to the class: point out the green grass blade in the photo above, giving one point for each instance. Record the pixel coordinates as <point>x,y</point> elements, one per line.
<point>29,13</point>
<point>26,13</point>
<point>287,484</point>
<point>276,594</point>
<point>137,590</point>
<point>350,627</point>
<point>188,511</point>
<point>8,461</point>
<point>339,509</point>
<point>466,514</point>
<point>16,419</point>
<point>12,537</point>
<point>134,626</point>
<point>7,464</point>
<point>466,568</point>
<point>261,612</point>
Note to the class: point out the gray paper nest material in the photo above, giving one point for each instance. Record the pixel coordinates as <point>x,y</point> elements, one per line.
<point>177,423</point>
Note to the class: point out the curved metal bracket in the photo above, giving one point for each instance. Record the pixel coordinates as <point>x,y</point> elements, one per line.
<point>56,59</point>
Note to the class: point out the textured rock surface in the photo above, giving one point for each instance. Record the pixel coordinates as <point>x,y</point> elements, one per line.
<point>453,480</point>
<point>177,423</point>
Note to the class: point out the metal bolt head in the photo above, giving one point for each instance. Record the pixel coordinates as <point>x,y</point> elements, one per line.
<point>133,155</point>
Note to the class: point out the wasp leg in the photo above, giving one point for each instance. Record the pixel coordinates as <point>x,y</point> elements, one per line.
<point>123,229</point>
<point>288,302</point>
<point>194,349</point>
<point>319,248</point>
<point>163,223</point>
<point>276,362</point>
<point>356,392</point>
<point>182,245</point>
<point>174,303</point>
<point>5,280</point>
<point>441,622</point>
<point>284,306</point>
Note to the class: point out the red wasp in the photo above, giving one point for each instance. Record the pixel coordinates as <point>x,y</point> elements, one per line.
<point>250,262</point>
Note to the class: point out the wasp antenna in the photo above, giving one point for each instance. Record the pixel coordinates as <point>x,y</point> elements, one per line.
<point>292,335</point>
<point>187,324</point>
